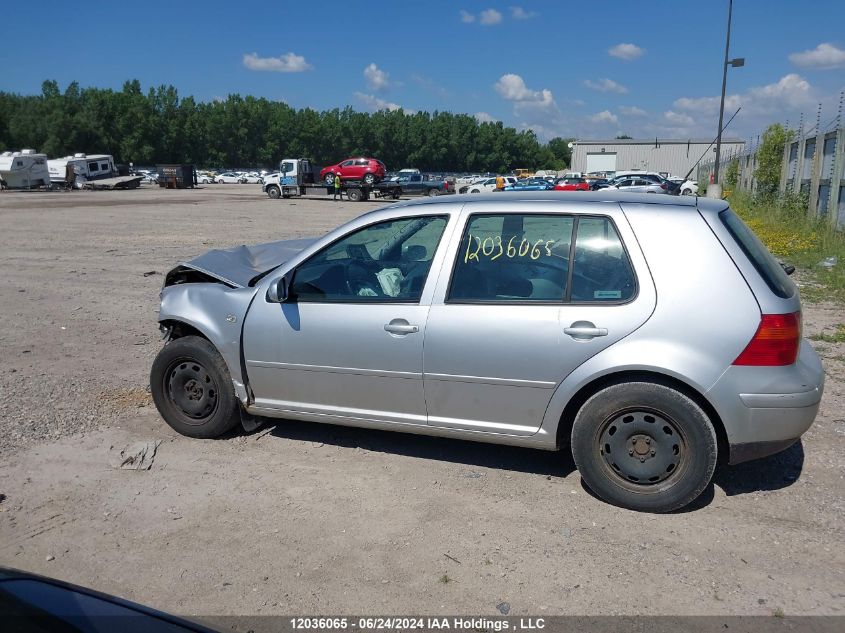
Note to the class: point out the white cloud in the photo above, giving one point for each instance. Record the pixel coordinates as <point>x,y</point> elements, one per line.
<point>626,51</point>
<point>376,78</point>
<point>791,92</point>
<point>466,18</point>
<point>374,104</point>
<point>512,88</point>
<point>678,118</point>
<point>483,117</point>
<point>534,109</point>
<point>632,111</point>
<point>825,56</point>
<point>606,85</point>
<point>790,89</point>
<point>605,116</point>
<point>287,63</point>
<point>488,17</point>
<point>518,13</point>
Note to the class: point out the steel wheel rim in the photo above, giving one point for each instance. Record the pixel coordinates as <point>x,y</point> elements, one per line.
<point>191,390</point>
<point>642,449</point>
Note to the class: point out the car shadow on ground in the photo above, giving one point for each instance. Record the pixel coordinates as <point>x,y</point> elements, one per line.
<point>511,458</point>
<point>770,473</point>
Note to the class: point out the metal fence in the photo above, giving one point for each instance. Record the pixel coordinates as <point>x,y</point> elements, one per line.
<point>813,166</point>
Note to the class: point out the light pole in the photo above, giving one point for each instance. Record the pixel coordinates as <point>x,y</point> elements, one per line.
<point>737,62</point>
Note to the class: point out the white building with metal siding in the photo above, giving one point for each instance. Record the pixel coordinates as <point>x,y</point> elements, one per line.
<point>672,156</point>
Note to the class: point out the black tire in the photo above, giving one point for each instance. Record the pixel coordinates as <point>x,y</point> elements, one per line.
<point>644,446</point>
<point>329,179</point>
<point>474,191</point>
<point>369,179</point>
<point>433,192</point>
<point>686,192</point>
<point>192,389</point>
<point>354,195</point>
<point>274,192</point>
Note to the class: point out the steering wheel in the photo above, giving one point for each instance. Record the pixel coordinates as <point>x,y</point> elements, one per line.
<point>357,278</point>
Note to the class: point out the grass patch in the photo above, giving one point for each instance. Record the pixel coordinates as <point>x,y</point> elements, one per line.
<point>445,579</point>
<point>838,335</point>
<point>791,236</point>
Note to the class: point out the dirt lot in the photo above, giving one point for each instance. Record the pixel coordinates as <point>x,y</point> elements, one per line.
<point>319,519</point>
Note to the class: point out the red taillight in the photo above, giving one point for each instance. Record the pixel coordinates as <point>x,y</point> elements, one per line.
<point>775,343</point>
<point>663,186</point>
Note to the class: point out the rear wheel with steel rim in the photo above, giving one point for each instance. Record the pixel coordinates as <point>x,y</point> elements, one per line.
<point>644,446</point>
<point>192,389</point>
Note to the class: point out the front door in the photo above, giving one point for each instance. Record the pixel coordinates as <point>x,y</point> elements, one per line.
<point>514,320</point>
<point>348,345</point>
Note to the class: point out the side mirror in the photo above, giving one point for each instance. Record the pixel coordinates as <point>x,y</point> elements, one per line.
<point>279,290</point>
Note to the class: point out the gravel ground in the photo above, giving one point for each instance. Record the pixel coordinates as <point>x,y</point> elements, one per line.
<point>310,518</point>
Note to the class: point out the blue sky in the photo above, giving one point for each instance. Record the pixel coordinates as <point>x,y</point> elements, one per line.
<point>586,70</point>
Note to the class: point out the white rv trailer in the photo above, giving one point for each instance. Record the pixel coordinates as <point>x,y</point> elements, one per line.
<point>85,167</point>
<point>24,170</point>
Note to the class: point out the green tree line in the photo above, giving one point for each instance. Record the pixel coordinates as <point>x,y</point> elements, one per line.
<point>160,127</point>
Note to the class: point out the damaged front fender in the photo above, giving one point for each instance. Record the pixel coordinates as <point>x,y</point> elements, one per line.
<point>217,312</point>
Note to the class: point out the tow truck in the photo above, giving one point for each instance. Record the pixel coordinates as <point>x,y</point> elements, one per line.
<point>300,177</point>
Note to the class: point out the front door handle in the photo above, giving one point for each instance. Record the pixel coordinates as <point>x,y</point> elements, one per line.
<point>400,326</point>
<point>584,331</point>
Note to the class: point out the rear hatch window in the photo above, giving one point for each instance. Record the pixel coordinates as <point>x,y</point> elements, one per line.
<point>769,268</point>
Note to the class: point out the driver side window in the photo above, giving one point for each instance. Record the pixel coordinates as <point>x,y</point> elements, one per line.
<point>386,262</point>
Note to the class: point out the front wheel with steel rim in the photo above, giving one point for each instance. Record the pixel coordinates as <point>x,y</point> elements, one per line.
<point>644,446</point>
<point>192,389</point>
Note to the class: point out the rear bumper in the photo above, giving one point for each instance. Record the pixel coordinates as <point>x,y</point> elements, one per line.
<point>755,450</point>
<point>766,409</point>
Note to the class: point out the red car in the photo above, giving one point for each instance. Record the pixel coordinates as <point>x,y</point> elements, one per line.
<point>370,170</point>
<point>571,184</point>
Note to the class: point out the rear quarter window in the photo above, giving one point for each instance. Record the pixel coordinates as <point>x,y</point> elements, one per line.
<point>764,262</point>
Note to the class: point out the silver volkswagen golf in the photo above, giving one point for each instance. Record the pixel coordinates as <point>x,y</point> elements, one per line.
<point>649,335</point>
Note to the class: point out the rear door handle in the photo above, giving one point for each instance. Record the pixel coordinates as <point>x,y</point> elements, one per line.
<point>400,326</point>
<point>584,330</point>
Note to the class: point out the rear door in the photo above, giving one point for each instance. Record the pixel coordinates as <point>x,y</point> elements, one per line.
<point>511,318</point>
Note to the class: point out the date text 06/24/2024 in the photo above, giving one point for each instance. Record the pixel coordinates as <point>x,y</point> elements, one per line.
<point>457,623</point>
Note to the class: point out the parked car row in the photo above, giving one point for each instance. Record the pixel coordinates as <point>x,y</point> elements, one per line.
<point>239,177</point>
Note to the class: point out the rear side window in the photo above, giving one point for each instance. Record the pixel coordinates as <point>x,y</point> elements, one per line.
<point>526,258</point>
<point>602,272</point>
<point>513,258</point>
<point>769,268</point>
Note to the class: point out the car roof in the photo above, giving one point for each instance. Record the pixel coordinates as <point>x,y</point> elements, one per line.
<point>602,195</point>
